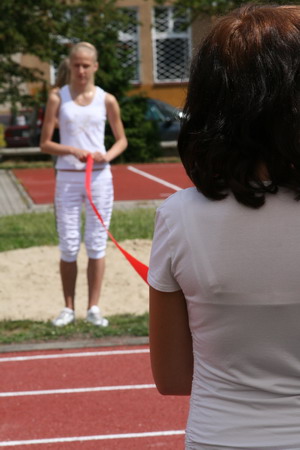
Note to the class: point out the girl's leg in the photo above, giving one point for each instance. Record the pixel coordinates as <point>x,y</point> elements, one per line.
<point>68,204</point>
<point>95,273</point>
<point>95,235</point>
<point>68,274</point>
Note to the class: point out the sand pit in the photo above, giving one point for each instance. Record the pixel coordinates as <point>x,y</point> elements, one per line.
<point>30,286</point>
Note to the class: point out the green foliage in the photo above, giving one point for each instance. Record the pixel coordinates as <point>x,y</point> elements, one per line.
<point>215,7</point>
<point>2,140</point>
<point>26,26</point>
<point>142,134</point>
<point>46,29</point>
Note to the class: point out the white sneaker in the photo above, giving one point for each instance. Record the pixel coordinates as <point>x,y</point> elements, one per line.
<point>94,316</point>
<point>66,317</point>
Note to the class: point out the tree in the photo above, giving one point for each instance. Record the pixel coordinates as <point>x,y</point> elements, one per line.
<point>214,7</point>
<point>46,29</point>
<point>26,26</point>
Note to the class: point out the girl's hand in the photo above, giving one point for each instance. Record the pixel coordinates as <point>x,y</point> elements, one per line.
<point>99,157</point>
<point>80,154</point>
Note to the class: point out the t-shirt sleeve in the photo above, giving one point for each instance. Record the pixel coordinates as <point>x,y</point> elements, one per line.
<point>160,274</point>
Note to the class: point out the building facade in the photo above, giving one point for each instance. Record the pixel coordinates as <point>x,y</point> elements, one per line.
<point>162,46</point>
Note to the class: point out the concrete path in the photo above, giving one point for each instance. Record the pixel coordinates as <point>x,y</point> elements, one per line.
<point>13,198</point>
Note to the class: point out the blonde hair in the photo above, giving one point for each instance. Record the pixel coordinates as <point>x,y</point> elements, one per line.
<point>83,46</point>
<point>63,73</point>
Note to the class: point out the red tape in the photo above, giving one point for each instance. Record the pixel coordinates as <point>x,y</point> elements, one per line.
<point>138,266</point>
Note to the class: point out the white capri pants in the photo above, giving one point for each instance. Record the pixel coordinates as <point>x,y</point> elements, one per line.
<point>70,195</point>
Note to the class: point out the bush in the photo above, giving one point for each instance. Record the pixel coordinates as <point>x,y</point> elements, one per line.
<point>142,134</point>
<point>2,140</point>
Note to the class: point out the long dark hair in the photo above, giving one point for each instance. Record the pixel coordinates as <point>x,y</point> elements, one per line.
<point>242,111</point>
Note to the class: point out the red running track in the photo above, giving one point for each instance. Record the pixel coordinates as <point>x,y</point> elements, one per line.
<point>131,182</point>
<point>87,399</point>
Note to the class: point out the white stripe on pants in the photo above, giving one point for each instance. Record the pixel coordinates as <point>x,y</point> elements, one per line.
<point>70,196</point>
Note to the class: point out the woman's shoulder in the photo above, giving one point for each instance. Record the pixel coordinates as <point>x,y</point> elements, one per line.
<point>54,98</point>
<point>185,197</point>
<point>103,97</point>
<point>110,99</point>
<point>64,93</point>
<point>100,92</point>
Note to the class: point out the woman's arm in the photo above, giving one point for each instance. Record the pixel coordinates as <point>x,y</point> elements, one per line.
<point>49,124</point>
<point>116,124</point>
<point>171,350</point>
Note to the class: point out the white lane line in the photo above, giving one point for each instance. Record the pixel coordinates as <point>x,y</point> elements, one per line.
<point>153,178</point>
<point>78,390</point>
<point>101,437</point>
<point>74,355</point>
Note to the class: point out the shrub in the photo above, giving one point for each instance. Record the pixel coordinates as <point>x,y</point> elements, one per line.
<point>2,140</point>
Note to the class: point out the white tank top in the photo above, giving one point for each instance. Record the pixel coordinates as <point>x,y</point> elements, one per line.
<point>82,127</point>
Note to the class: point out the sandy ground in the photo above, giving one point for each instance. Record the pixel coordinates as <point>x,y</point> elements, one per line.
<point>30,286</point>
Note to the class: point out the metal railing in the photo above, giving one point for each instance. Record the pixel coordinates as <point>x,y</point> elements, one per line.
<point>35,150</point>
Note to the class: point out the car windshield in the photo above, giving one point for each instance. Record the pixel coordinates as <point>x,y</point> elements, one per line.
<point>158,110</point>
<point>22,118</point>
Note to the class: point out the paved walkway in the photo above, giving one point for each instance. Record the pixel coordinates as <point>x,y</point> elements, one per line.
<point>13,198</point>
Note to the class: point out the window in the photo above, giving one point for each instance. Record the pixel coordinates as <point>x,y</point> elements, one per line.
<point>129,43</point>
<point>171,45</point>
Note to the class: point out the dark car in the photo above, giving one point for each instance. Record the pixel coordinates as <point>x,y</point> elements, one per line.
<point>24,128</point>
<point>167,118</point>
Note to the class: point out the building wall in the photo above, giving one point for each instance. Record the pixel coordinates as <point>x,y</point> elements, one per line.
<point>34,62</point>
<point>173,93</point>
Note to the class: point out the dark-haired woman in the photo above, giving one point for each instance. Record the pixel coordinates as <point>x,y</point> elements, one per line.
<point>224,269</point>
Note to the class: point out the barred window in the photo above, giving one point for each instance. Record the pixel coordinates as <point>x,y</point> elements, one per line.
<point>128,48</point>
<point>171,44</point>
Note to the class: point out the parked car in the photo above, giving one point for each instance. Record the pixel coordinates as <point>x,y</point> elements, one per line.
<point>167,118</point>
<point>24,128</point>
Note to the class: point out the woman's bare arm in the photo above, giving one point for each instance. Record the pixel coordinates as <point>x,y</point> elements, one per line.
<point>116,124</point>
<point>170,343</point>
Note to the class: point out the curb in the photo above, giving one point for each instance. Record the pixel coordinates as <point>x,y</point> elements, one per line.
<point>68,345</point>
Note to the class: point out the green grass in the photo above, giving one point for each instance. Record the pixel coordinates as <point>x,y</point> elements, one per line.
<point>21,331</point>
<point>26,162</point>
<point>27,230</point>
<point>36,229</point>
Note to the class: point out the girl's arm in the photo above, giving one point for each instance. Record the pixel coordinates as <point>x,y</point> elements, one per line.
<point>50,121</point>
<point>116,124</point>
<point>171,350</point>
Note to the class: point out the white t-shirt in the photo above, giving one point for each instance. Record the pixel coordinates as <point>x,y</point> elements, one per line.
<point>239,270</point>
<point>82,127</point>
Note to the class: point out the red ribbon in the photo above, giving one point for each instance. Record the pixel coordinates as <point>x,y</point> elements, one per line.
<point>140,268</point>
